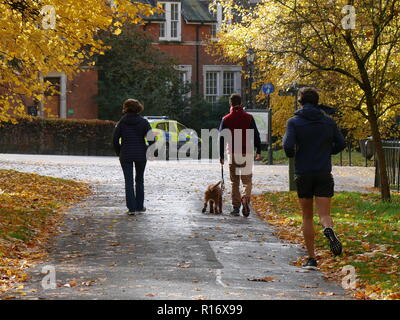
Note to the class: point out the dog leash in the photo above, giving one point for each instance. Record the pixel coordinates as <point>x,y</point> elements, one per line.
<point>223,180</point>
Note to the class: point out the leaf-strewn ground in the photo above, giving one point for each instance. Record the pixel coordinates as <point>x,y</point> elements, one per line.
<point>368,228</point>
<point>30,207</point>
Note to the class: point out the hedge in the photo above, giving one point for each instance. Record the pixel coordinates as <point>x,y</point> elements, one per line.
<point>57,136</point>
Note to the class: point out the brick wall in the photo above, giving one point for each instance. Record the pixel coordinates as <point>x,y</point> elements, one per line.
<point>81,97</point>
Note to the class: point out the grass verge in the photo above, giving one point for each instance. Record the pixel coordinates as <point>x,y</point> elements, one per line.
<point>30,207</point>
<point>368,229</point>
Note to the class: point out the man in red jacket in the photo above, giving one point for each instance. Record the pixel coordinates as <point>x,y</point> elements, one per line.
<point>240,150</point>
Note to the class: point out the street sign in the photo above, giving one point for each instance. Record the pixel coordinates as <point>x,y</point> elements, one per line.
<point>268,88</point>
<point>261,118</point>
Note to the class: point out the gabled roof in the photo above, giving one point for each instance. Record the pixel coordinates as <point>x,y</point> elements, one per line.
<point>193,11</point>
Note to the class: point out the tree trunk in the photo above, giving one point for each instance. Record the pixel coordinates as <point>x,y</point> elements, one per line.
<point>384,181</point>
<point>376,135</point>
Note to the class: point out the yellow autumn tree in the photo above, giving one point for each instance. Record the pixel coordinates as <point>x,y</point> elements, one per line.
<point>42,36</point>
<point>349,49</point>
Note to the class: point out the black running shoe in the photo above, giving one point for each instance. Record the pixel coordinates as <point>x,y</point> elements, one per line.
<point>311,264</point>
<point>336,246</point>
<point>141,211</point>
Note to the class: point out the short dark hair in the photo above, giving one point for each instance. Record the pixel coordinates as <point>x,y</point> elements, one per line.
<point>308,95</point>
<point>235,100</point>
<point>132,106</point>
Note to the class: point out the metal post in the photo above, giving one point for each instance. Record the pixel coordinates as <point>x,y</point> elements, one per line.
<point>270,151</point>
<point>366,159</point>
<point>349,146</point>
<point>251,87</point>
<point>397,158</point>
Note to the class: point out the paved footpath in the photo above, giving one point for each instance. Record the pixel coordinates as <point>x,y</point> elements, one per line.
<point>173,251</point>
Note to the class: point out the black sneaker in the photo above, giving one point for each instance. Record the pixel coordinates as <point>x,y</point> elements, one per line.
<point>336,246</point>
<point>141,211</point>
<point>131,213</point>
<point>236,211</point>
<point>311,264</point>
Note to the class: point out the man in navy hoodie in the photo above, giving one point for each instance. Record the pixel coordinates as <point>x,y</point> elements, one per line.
<point>312,138</point>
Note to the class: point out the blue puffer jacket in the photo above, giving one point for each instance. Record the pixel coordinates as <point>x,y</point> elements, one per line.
<point>132,128</point>
<point>312,137</point>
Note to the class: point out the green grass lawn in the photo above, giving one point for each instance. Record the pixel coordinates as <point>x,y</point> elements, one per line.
<point>357,159</point>
<point>368,228</point>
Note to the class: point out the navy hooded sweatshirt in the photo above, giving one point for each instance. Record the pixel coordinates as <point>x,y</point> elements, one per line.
<point>312,137</point>
<point>132,128</point>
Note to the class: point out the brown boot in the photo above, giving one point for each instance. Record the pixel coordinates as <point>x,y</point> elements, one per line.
<point>245,207</point>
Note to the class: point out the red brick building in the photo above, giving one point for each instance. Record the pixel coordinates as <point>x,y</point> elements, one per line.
<point>75,97</point>
<point>182,32</point>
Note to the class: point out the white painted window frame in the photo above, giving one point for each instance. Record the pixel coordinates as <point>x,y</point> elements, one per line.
<point>221,69</point>
<point>168,22</point>
<point>219,16</point>
<point>218,74</point>
<point>187,69</point>
<point>163,24</point>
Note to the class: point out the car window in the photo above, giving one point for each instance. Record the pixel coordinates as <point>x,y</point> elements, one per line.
<point>181,127</point>
<point>161,126</point>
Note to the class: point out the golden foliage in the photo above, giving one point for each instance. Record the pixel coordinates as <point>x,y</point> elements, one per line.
<point>304,41</point>
<point>29,213</point>
<point>32,44</point>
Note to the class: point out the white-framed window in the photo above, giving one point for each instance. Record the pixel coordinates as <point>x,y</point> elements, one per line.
<point>211,86</point>
<point>221,80</point>
<point>184,77</point>
<point>163,25</point>
<point>214,31</point>
<point>170,30</point>
<point>228,83</point>
<point>175,19</point>
<point>185,72</point>
<point>219,15</point>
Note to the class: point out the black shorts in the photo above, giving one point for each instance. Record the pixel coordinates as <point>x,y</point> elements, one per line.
<point>315,185</point>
